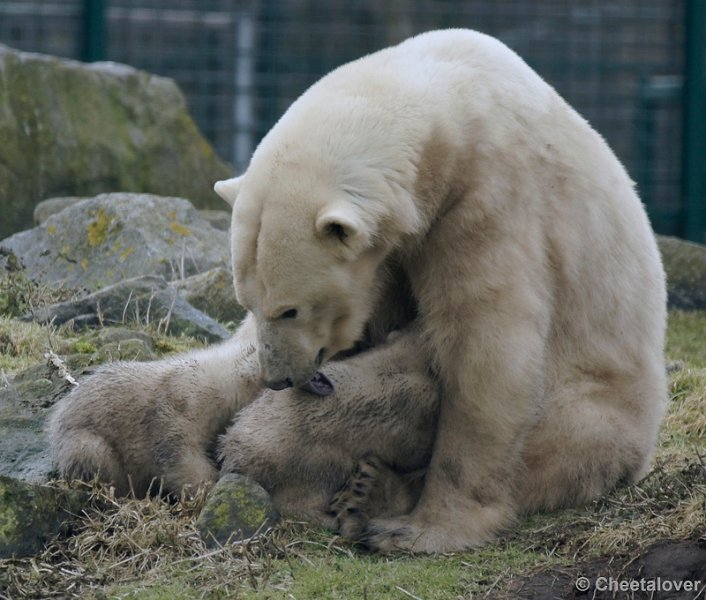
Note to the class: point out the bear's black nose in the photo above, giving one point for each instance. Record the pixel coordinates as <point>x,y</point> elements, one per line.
<point>278,385</point>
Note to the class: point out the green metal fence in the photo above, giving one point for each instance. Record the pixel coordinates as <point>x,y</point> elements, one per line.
<point>634,68</point>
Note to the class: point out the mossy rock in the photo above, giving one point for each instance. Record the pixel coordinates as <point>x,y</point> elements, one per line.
<point>212,293</point>
<point>30,514</point>
<point>685,265</point>
<point>72,129</point>
<point>237,508</point>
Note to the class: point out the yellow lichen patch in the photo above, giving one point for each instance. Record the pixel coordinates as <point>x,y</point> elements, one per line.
<point>125,253</point>
<point>98,228</point>
<point>179,229</point>
<point>51,229</point>
<point>84,264</point>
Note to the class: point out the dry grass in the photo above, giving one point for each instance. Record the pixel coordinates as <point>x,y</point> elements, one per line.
<point>143,540</point>
<point>670,503</point>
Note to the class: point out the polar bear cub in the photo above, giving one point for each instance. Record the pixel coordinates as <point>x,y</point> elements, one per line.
<point>134,422</point>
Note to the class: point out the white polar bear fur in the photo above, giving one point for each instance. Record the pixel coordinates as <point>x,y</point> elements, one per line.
<point>131,423</point>
<point>538,282</point>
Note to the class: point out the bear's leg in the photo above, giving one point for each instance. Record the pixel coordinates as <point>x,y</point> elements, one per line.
<point>193,468</point>
<point>493,369</point>
<point>588,441</point>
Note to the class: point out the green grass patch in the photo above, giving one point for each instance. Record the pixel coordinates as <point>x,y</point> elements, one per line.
<point>686,337</point>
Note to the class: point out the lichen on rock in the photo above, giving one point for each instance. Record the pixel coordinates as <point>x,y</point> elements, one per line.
<point>72,129</point>
<point>30,514</point>
<point>237,508</point>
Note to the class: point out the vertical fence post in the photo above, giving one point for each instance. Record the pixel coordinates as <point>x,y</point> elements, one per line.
<point>694,177</point>
<point>93,47</point>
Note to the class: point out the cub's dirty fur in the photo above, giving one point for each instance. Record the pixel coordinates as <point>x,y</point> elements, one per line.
<point>304,448</point>
<point>132,422</point>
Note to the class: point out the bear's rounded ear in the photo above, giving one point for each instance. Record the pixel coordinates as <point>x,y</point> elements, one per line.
<point>341,224</point>
<point>228,189</point>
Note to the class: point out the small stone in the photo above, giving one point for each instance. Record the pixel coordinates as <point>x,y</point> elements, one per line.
<point>51,206</point>
<point>237,509</point>
<point>220,219</point>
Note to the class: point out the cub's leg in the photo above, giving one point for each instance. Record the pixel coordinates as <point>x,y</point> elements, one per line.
<point>132,422</point>
<point>303,448</point>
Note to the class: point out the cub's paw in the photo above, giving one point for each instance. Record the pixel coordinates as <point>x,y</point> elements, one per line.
<point>349,505</point>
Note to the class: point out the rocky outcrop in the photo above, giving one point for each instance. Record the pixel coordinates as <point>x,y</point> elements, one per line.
<point>685,264</point>
<point>73,129</point>
<point>30,514</point>
<point>143,301</point>
<point>103,240</point>
<point>212,292</point>
<point>27,397</point>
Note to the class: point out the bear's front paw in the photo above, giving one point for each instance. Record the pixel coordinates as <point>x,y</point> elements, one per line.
<point>389,535</point>
<point>349,505</point>
<point>411,533</point>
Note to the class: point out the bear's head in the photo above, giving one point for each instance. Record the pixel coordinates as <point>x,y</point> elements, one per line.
<point>307,254</point>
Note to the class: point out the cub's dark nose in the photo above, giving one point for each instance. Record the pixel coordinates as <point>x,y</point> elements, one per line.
<point>278,385</point>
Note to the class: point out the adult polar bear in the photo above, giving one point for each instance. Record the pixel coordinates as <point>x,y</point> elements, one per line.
<point>537,279</point>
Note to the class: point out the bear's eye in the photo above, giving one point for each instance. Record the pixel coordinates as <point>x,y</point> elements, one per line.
<point>289,314</point>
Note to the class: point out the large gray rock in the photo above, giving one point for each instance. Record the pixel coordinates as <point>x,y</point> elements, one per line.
<point>27,397</point>
<point>25,401</point>
<point>103,240</point>
<point>72,129</point>
<point>685,265</point>
<point>212,292</point>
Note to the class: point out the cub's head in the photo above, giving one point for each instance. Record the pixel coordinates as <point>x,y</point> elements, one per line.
<point>306,261</point>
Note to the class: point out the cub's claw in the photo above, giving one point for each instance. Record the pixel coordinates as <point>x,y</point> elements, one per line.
<point>349,505</point>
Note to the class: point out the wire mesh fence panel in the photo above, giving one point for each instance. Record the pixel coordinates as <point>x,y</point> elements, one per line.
<point>41,26</point>
<point>192,42</point>
<point>241,63</point>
